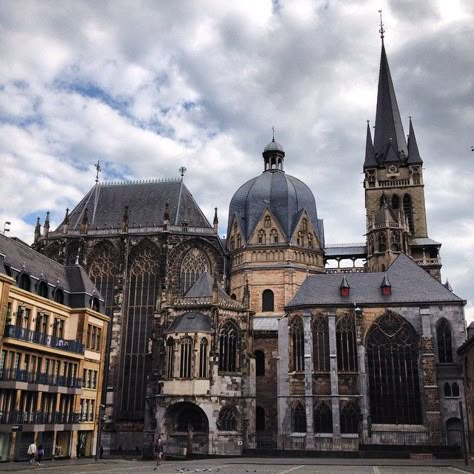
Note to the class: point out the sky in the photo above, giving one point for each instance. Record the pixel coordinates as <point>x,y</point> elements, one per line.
<point>145,87</point>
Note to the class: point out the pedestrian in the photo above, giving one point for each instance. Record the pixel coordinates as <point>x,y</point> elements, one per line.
<point>158,451</point>
<point>40,454</point>
<point>32,452</point>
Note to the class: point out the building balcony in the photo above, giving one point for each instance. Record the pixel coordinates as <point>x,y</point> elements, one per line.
<point>17,417</point>
<point>17,375</point>
<point>36,337</point>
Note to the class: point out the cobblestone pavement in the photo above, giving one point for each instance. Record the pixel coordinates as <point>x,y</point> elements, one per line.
<point>247,466</point>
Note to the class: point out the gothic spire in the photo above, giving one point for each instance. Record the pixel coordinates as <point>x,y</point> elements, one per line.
<point>370,161</point>
<point>414,157</point>
<point>388,124</point>
<point>37,229</point>
<point>46,225</point>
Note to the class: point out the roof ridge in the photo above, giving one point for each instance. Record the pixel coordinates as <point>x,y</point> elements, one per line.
<point>139,181</point>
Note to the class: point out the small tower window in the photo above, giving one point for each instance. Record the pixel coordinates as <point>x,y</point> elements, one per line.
<point>268,301</point>
<point>408,210</point>
<point>455,389</point>
<point>382,242</point>
<point>232,243</point>
<point>259,363</point>
<point>268,222</point>
<point>310,241</point>
<point>274,236</point>
<point>261,237</point>
<point>170,358</point>
<point>443,336</point>
<point>300,239</point>
<point>304,225</point>
<point>239,241</point>
<point>395,241</point>
<point>447,390</point>
<point>203,358</point>
<point>395,202</point>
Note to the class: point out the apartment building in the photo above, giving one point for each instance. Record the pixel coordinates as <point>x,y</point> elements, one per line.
<point>52,352</point>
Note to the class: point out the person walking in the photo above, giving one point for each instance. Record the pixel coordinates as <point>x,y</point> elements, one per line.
<point>32,452</point>
<point>40,455</point>
<point>158,451</point>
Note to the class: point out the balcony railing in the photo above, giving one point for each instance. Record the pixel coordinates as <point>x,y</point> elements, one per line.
<point>19,375</point>
<point>17,417</point>
<point>23,334</point>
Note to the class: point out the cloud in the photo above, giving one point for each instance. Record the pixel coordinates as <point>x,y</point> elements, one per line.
<point>200,84</point>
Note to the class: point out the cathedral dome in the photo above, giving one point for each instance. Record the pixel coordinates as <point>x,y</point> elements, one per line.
<point>285,196</point>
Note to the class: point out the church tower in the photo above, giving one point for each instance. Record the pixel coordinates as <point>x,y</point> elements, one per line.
<point>394,189</point>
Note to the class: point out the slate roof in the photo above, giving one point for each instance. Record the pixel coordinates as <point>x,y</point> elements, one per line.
<point>409,283</point>
<point>72,279</point>
<point>190,322</point>
<point>266,323</point>
<point>202,288</point>
<point>284,195</point>
<point>347,249</point>
<point>423,241</point>
<point>146,201</point>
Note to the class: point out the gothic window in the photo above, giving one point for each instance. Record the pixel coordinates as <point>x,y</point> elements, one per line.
<point>443,336</point>
<point>274,236</point>
<point>395,241</point>
<point>228,347</point>
<point>304,225</point>
<point>261,237</point>
<point>297,345</point>
<point>310,241</point>
<point>408,210</point>
<point>392,359</point>
<point>24,282</point>
<point>300,239</point>
<point>346,345</point>
<point>382,242</point>
<point>322,418</point>
<point>395,202</point>
<point>267,300</point>
<point>227,420</point>
<point>455,389</point>
<point>370,248</point>
<point>203,358</point>
<point>239,241</point>
<point>267,222</point>
<point>185,370</point>
<point>259,363</point>
<point>350,418</point>
<point>43,289</point>
<point>298,418</point>
<point>170,358</point>
<point>447,390</point>
<point>321,344</point>
<point>232,243</point>
<point>194,264</point>
<point>260,419</point>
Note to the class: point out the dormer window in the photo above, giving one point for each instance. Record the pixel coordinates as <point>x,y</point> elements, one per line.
<point>345,288</point>
<point>386,286</point>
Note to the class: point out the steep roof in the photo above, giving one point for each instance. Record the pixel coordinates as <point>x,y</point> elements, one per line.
<point>409,283</point>
<point>202,288</point>
<point>146,201</point>
<point>191,322</point>
<point>413,153</point>
<point>370,161</point>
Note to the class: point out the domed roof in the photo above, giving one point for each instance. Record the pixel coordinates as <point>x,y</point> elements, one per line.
<point>285,196</point>
<point>273,146</point>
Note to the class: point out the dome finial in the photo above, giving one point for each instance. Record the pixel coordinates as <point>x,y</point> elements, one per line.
<point>273,133</point>
<point>382,29</point>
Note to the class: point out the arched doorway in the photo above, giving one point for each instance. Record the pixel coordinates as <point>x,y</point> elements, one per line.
<point>186,426</point>
<point>454,432</point>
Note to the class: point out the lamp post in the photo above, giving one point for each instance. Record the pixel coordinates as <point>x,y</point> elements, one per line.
<point>5,227</point>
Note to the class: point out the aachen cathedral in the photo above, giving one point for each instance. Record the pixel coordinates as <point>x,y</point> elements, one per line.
<point>253,342</point>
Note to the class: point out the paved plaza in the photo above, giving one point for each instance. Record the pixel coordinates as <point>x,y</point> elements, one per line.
<point>249,465</point>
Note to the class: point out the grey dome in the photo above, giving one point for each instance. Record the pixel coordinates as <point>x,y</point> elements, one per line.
<point>285,196</point>
<point>274,146</point>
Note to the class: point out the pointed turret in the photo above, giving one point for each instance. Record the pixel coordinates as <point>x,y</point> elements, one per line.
<point>388,124</point>
<point>37,229</point>
<point>46,225</point>
<point>125,219</point>
<point>66,222</point>
<point>414,157</point>
<point>85,222</point>
<point>215,222</point>
<point>370,161</point>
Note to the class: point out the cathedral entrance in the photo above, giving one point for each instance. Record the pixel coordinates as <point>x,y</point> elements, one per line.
<point>186,429</point>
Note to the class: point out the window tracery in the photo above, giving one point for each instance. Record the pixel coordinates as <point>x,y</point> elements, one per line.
<point>298,418</point>
<point>322,418</point>
<point>321,344</point>
<point>350,418</point>
<point>170,358</point>
<point>346,344</point>
<point>227,420</point>
<point>203,358</point>
<point>297,345</point>
<point>185,369</point>
<point>443,336</point>
<point>194,264</point>
<point>228,347</point>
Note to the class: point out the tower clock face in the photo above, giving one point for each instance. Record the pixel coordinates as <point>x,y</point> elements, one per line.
<point>393,169</point>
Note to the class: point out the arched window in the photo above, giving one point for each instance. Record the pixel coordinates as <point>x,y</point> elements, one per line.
<point>232,243</point>
<point>43,289</point>
<point>310,241</point>
<point>59,296</point>
<point>395,241</point>
<point>24,282</point>
<point>274,236</point>
<point>228,347</point>
<point>392,358</point>
<point>300,239</point>
<point>350,418</point>
<point>346,345</point>
<point>259,363</point>
<point>304,225</point>
<point>447,390</point>
<point>267,300</point>
<point>260,419</point>
<point>395,202</point>
<point>268,222</point>
<point>203,358</point>
<point>227,420</point>
<point>261,237</point>
<point>298,418</point>
<point>186,358</point>
<point>321,344</point>
<point>239,241</point>
<point>408,210</point>
<point>455,389</point>
<point>297,345</point>
<point>322,418</point>
<point>170,358</point>
<point>382,242</point>
<point>194,264</point>
<point>443,336</point>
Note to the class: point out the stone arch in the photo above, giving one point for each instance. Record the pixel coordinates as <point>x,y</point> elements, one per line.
<point>454,432</point>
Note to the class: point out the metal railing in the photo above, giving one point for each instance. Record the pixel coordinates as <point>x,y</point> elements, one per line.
<point>28,335</point>
<point>17,417</point>
<point>19,375</point>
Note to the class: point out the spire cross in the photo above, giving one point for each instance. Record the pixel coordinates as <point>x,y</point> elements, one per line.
<point>182,170</point>
<point>382,29</point>
<point>98,170</point>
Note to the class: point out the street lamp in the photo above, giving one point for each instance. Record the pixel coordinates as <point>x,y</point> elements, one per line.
<point>5,227</point>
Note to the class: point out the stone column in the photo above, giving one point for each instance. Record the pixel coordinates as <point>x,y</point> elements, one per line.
<point>283,386</point>
<point>363,382</point>
<point>336,424</point>
<point>308,380</point>
<point>430,385</point>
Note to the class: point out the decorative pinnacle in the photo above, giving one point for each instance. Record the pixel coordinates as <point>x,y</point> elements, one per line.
<point>273,133</point>
<point>382,29</point>
<point>98,170</point>
<point>182,170</point>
